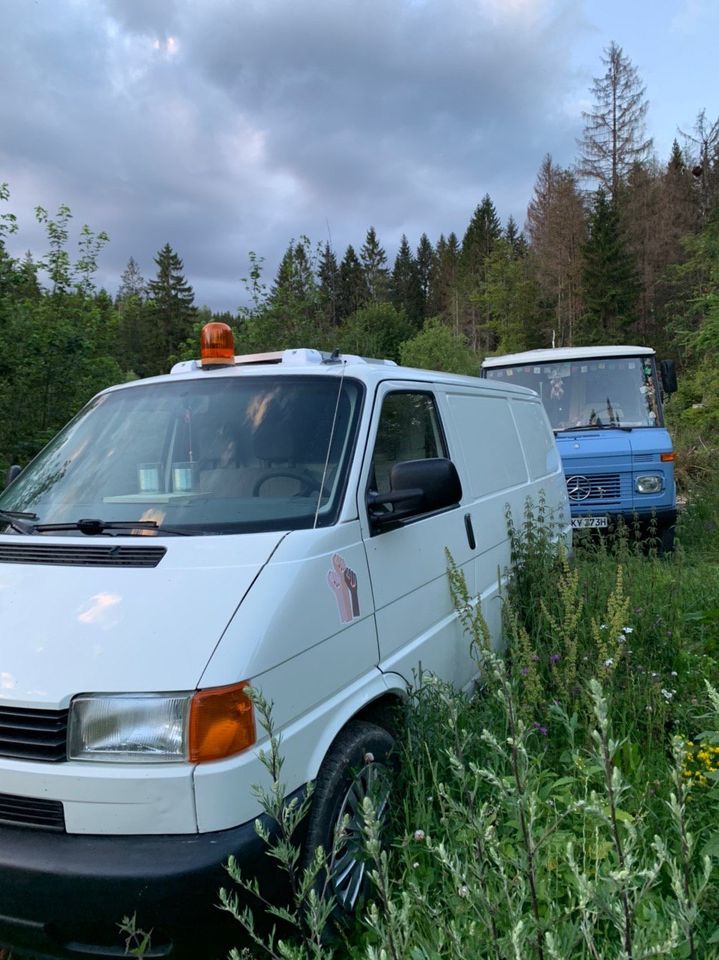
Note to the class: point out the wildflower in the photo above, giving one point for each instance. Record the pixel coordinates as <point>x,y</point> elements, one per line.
<point>419,835</point>
<point>555,658</point>
<point>540,729</point>
<point>369,757</point>
<point>655,676</point>
<point>415,865</point>
<point>609,662</point>
<point>602,626</point>
<point>463,891</point>
<point>667,694</point>
<point>525,671</point>
<point>627,629</point>
<point>673,673</point>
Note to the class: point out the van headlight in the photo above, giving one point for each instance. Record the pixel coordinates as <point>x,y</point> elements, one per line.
<point>129,728</point>
<point>196,726</point>
<point>653,483</point>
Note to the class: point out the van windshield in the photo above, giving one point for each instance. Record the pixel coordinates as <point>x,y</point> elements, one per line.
<point>202,456</point>
<point>596,393</point>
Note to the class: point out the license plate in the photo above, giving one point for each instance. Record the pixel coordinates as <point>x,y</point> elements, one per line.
<point>581,522</point>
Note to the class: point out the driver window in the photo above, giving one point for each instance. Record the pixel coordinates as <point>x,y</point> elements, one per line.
<point>409,429</point>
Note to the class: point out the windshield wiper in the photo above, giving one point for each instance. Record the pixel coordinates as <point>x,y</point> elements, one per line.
<point>593,426</point>
<point>14,519</point>
<point>91,527</point>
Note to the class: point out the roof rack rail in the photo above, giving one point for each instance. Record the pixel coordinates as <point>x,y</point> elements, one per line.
<point>299,356</point>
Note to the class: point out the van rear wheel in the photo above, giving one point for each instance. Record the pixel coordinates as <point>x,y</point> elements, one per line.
<point>360,764</point>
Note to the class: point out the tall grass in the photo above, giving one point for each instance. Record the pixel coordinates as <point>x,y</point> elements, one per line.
<point>568,808</point>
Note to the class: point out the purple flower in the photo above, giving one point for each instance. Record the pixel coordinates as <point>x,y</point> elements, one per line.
<point>555,658</point>
<point>540,729</point>
<point>525,671</point>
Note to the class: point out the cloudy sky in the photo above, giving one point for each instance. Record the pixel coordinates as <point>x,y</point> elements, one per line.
<point>224,126</point>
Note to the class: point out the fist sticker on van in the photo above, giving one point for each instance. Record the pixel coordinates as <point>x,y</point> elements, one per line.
<point>342,582</point>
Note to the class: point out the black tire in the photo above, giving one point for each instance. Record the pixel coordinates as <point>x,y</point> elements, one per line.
<point>666,541</point>
<point>361,761</point>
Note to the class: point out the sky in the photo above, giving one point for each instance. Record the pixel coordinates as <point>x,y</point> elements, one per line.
<point>228,126</point>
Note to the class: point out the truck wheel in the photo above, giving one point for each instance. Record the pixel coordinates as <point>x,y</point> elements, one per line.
<point>360,764</point>
<point>666,541</point>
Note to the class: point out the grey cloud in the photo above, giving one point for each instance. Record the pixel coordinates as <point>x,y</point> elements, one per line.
<point>270,119</point>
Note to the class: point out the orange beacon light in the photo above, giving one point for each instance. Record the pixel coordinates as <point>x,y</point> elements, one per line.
<point>217,345</point>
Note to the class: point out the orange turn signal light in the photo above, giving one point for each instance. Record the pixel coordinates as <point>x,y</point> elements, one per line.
<point>217,345</point>
<point>222,723</point>
<point>667,457</point>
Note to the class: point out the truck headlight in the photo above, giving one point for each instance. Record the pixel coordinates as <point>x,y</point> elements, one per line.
<point>161,727</point>
<point>653,483</point>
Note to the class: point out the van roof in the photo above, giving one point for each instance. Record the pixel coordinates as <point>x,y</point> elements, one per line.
<point>303,361</point>
<point>566,353</point>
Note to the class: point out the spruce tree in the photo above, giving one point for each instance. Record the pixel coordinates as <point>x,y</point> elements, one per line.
<point>374,265</point>
<point>353,292</point>
<point>328,275</point>
<point>172,309</point>
<point>424,257</point>
<point>132,283</point>
<point>405,287</point>
<point>613,140</point>
<point>482,233</point>
<point>611,287</point>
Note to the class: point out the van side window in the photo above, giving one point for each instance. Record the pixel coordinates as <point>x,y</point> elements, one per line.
<point>409,429</point>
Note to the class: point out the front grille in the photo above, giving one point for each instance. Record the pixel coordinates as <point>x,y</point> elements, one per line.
<point>601,486</point>
<point>30,812</point>
<point>60,554</point>
<point>33,734</point>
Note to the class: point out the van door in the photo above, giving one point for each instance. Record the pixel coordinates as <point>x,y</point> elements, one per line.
<point>416,621</point>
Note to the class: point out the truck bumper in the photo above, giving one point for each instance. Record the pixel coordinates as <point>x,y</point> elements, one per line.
<point>63,895</point>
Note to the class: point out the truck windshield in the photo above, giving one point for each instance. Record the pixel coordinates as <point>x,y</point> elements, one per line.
<point>212,455</point>
<point>596,393</point>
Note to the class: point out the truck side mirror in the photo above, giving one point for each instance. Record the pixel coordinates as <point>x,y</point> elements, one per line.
<point>13,471</point>
<point>416,487</point>
<point>668,373</point>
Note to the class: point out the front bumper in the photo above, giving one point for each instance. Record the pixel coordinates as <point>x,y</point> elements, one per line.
<point>63,895</point>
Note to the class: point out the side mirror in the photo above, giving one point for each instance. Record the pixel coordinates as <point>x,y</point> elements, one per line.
<point>416,487</point>
<point>13,472</point>
<point>668,372</point>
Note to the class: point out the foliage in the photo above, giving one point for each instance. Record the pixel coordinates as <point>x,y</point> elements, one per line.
<point>436,347</point>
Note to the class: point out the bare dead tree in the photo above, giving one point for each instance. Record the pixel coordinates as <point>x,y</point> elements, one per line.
<point>613,141</point>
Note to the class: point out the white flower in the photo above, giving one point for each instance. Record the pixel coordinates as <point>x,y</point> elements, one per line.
<point>415,864</point>
<point>463,891</point>
<point>627,629</point>
<point>667,694</point>
<point>419,835</point>
<point>673,673</point>
<point>602,626</point>
<point>609,662</point>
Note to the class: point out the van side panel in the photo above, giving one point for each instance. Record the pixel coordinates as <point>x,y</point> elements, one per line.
<point>489,441</point>
<point>494,474</point>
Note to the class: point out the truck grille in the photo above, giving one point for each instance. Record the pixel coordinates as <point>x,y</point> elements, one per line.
<point>600,486</point>
<point>30,812</point>
<point>33,734</point>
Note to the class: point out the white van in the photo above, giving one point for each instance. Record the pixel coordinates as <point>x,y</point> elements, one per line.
<point>277,520</point>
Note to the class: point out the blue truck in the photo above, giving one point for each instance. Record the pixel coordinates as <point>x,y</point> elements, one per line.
<point>605,406</point>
